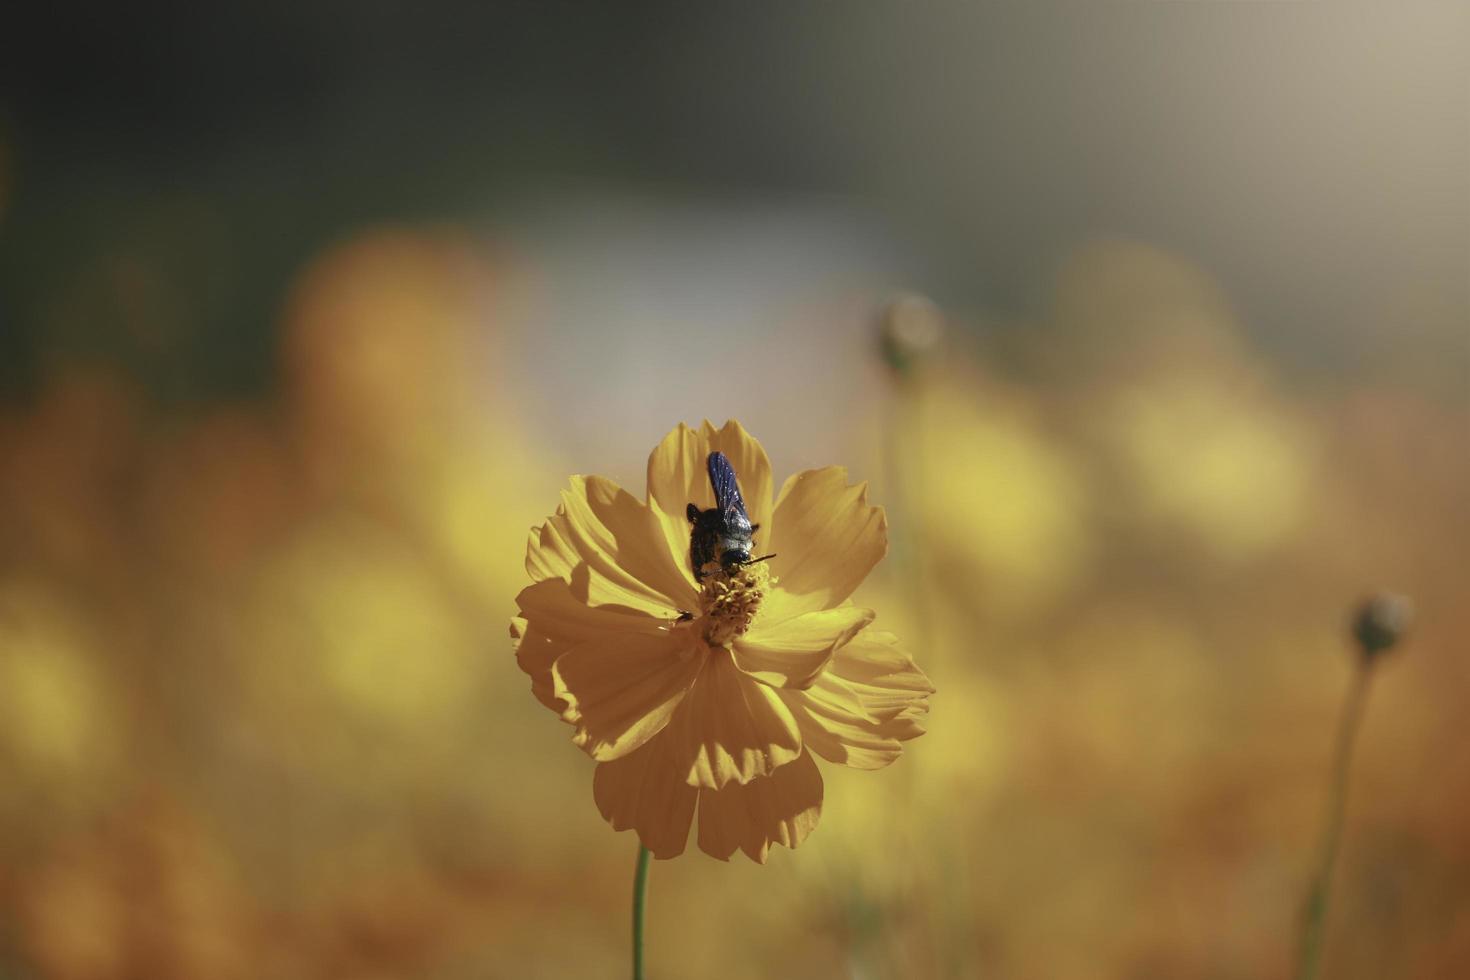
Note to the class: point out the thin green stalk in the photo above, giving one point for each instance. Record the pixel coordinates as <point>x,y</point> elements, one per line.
<point>1314,919</point>
<point>640,901</point>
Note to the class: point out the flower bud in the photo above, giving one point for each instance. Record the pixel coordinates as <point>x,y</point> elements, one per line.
<point>1380,622</point>
<point>910,328</point>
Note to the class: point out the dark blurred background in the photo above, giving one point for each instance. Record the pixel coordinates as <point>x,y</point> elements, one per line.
<point>307,310</point>
<point>1312,160</point>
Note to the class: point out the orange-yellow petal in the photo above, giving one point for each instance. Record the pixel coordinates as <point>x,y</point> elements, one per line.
<point>826,538</point>
<point>792,653</point>
<point>782,808</point>
<point>677,477</point>
<point>553,620</point>
<point>556,607</point>
<point>891,687</point>
<point>622,688</point>
<point>535,653</point>
<point>835,726</point>
<point>619,541</point>
<point>646,791</point>
<point>731,728</point>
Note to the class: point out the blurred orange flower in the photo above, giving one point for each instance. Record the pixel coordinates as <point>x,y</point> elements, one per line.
<point>715,692</point>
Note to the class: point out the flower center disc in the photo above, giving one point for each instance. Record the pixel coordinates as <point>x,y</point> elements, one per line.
<point>728,603</point>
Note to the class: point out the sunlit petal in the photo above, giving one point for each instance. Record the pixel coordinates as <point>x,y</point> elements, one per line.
<point>891,687</point>
<point>792,653</point>
<point>621,689</point>
<point>836,727</point>
<point>615,537</point>
<point>535,653</point>
<point>826,538</point>
<point>645,791</point>
<point>731,728</point>
<point>782,808</point>
<point>553,620</point>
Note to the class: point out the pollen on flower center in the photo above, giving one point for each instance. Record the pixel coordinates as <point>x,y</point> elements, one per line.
<point>728,602</point>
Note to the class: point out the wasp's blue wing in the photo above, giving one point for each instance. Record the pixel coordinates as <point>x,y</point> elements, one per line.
<point>727,490</point>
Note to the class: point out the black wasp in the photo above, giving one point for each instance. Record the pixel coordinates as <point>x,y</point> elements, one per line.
<point>724,532</point>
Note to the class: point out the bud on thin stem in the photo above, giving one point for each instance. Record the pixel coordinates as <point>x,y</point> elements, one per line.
<point>1380,622</point>
<point>910,328</point>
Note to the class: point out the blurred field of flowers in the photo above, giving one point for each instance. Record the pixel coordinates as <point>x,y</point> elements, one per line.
<point>308,311</point>
<point>260,717</point>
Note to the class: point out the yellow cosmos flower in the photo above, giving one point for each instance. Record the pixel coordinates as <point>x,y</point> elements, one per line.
<point>713,694</point>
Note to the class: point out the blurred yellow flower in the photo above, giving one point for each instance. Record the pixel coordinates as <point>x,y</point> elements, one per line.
<point>715,693</point>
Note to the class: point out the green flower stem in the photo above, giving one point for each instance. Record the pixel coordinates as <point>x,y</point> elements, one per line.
<point>640,901</point>
<point>1314,918</point>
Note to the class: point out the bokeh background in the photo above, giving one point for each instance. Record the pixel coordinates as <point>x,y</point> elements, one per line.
<point>307,311</point>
